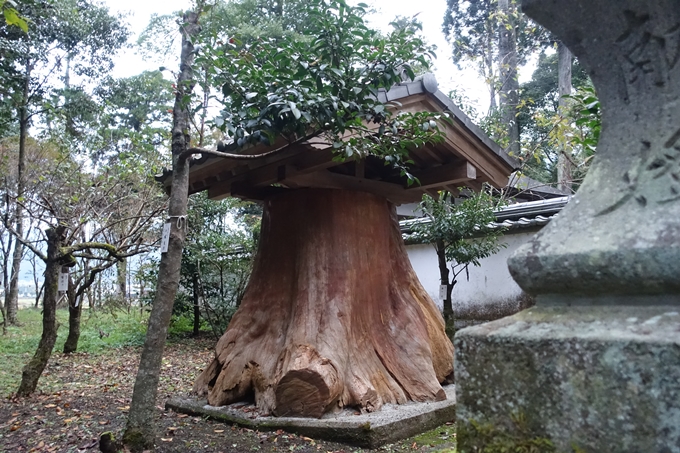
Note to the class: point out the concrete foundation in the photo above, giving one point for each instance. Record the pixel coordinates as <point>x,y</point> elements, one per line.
<point>370,430</point>
<point>585,378</point>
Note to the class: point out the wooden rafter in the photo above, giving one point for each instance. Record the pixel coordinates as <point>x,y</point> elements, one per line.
<point>454,173</point>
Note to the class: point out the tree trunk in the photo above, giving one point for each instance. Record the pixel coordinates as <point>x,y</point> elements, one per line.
<point>5,260</point>
<point>333,316</point>
<point>197,310</point>
<point>75,309</point>
<point>98,300</point>
<point>5,273</point>
<point>449,318</point>
<point>491,78</point>
<point>509,88</point>
<point>36,279</point>
<point>121,280</point>
<point>38,295</point>
<point>12,296</point>
<point>34,368</point>
<point>139,432</point>
<point>564,165</point>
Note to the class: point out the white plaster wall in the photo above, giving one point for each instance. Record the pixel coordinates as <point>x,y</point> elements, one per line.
<point>489,285</point>
<point>424,261</point>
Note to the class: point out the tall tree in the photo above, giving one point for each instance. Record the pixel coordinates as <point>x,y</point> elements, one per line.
<point>508,61</point>
<point>217,259</point>
<point>497,37</point>
<point>552,124</point>
<point>471,29</point>
<point>77,31</point>
<point>36,159</point>
<point>139,432</point>
<point>119,132</point>
<point>135,114</point>
<point>80,212</point>
<point>114,206</point>
<point>132,133</point>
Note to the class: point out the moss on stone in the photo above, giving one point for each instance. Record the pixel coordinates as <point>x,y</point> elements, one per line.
<point>136,440</point>
<point>444,434</point>
<point>108,443</point>
<point>515,437</point>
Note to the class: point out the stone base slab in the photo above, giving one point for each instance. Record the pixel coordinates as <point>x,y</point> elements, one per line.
<point>370,430</point>
<point>589,379</point>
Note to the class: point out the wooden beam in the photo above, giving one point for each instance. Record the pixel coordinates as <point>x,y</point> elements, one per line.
<point>476,185</point>
<point>246,192</point>
<point>460,142</point>
<point>433,193</point>
<point>360,168</point>
<point>325,179</point>
<point>454,173</point>
<point>213,166</point>
<point>274,172</point>
<point>454,190</point>
<point>426,149</point>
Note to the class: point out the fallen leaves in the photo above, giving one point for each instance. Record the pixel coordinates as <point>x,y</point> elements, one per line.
<point>69,415</point>
<point>91,444</point>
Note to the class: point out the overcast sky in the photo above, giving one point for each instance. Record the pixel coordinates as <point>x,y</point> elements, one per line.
<point>430,13</point>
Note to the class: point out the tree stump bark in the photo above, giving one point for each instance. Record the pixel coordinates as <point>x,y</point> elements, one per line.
<point>333,316</point>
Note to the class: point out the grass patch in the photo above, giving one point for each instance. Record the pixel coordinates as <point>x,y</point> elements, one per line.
<point>99,331</point>
<point>441,437</point>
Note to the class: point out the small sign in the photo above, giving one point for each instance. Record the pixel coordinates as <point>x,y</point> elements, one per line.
<point>165,237</point>
<point>63,279</point>
<point>442,292</point>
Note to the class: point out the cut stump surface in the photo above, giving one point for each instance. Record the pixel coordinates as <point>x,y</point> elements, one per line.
<point>334,315</point>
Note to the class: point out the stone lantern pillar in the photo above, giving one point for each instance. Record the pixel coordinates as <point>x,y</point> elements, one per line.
<point>595,364</point>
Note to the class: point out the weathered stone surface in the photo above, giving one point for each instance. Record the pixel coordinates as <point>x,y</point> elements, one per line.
<point>371,430</point>
<point>605,379</point>
<point>620,234</point>
<point>595,365</point>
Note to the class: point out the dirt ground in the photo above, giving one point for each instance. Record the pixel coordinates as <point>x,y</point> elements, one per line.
<point>83,395</point>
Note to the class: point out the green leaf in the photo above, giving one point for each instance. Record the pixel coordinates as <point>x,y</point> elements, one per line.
<point>12,18</point>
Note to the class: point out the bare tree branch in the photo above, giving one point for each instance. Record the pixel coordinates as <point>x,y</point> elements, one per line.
<point>191,151</point>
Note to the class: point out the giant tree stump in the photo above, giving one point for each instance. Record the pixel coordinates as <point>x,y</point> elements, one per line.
<point>334,315</point>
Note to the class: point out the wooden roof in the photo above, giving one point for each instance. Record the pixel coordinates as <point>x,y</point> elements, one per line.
<point>466,157</point>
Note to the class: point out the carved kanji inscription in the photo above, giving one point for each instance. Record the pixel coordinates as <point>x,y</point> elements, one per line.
<point>656,178</point>
<point>648,51</point>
